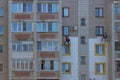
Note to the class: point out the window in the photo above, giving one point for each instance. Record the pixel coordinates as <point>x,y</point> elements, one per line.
<point>21,7</point>
<point>47,45</point>
<point>100,50</point>
<point>99,12</point>
<point>21,27</point>
<point>1,11</point>
<point>48,65</point>
<point>1,67</point>
<point>22,64</point>
<point>47,7</point>
<point>47,27</point>
<point>66,50</point>
<point>82,39</point>
<point>117,46</point>
<point>83,77</point>
<point>66,68</point>
<point>66,30</point>
<point>1,48</point>
<point>65,12</point>
<point>100,68</point>
<point>83,60</point>
<point>1,30</point>
<point>99,30</point>
<point>83,23</point>
<point>116,8</point>
<point>22,46</point>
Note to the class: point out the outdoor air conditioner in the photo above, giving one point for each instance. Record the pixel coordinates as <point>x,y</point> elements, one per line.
<point>74,28</point>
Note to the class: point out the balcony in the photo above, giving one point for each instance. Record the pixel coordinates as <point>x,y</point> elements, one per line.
<point>47,16</point>
<point>47,35</point>
<point>22,75</point>
<point>48,75</point>
<point>45,54</point>
<point>22,36</point>
<point>22,16</point>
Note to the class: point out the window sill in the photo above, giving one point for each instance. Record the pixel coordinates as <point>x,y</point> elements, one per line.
<point>99,73</point>
<point>100,54</point>
<point>66,54</point>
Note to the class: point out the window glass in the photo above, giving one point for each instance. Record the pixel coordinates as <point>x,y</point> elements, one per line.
<point>82,21</point>
<point>29,7</point>
<point>100,49</point>
<point>83,60</point>
<point>54,8</point>
<point>65,12</point>
<point>49,7</point>
<point>83,77</point>
<point>1,30</point>
<point>13,7</point>
<point>38,27</point>
<point>66,67</point>
<point>38,7</point>
<point>54,27</point>
<point>1,67</point>
<point>1,48</point>
<point>1,11</point>
<point>100,68</point>
<point>44,7</point>
<point>65,30</point>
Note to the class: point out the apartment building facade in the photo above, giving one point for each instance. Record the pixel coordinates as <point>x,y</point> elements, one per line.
<point>59,40</point>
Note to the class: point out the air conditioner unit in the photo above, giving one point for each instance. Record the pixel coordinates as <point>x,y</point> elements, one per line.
<point>74,28</point>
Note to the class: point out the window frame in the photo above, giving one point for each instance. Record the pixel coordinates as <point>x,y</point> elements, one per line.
<point>2,68</point>
<point>40,27</point>
<point>2,30</point>
<point>68,72</point>
<point>20,64</point>
<point>63,12</point>
<point>98,28</point>
<point>64,32</point>
<point>64,52</point>
<point>98,13</point>
<point>104,68</point>
<point>48,66</point>
<point>81,23</point>
<point>83,40</point>
<point>82,76</point>
<point>1,48</point>
<point>83,62</point>
<point>103,47</point>
<point>46,45</point>
<point>53,9</point>
<point>2,11</point>
<point>21,7</point>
